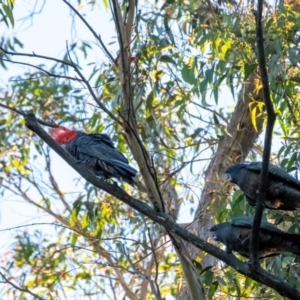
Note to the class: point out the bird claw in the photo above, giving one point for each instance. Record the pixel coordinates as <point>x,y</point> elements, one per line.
<point>228,250</point>
<point>275,204</point>
<point>111,181</point>
<point>115,184</point>
<point>252,264</point>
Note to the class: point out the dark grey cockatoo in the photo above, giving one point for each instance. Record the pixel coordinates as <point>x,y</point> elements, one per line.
<point>236,235</point>
<point>96,152</point>
<point>283,190</point>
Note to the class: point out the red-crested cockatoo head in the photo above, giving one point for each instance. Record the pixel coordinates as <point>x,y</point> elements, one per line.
<point>63,135</point>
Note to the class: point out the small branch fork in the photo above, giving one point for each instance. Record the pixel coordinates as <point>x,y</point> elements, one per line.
<point>163,219</point>
<point>271,117</point>
<point>23,290</point>
<point>153,284</point>
<point>22,113</point>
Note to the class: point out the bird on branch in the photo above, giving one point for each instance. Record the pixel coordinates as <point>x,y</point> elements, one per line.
<point>283,191</point>
<point>236,236</point>
<point>97,152</point>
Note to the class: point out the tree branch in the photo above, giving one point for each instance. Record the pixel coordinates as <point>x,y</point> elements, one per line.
<point>22,113</point>
<point>85,81</point>
<point>23,290</point>
<point>73,65</point>
<point>97,36</point>
<point>129,20</point>
<point>41,69</point>
<point>36,56</point>
<point>153,283</point>
<point>54,182</point>
<point>119,275</point>
<point>271,117</point>
<point>155,260</point>
<point>161,218</point>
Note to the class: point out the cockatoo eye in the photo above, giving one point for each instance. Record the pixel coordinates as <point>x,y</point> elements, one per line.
<point>227,177</point>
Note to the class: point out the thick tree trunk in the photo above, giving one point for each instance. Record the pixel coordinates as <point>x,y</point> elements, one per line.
<point>233,147</point>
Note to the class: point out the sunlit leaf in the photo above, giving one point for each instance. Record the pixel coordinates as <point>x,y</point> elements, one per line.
<point>167,59</point>
<point>7,9</point>
<point>248,70</point>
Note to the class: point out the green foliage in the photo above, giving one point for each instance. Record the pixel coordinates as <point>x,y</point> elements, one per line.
<point>177,77</point>
<point>6,13</point>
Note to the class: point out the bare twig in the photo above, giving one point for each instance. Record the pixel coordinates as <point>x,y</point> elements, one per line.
<point>37,56</point>
<point>97,36</point>
<point>118,273</point>
<point>54,182</point>
<point>153,285</point>
<point>45,209</point>
<point>22,113</point>
<point>117,238</point>
<point>34,224</point>
<point>156,249</point>
<point>23,290</point>
<point>112,287</point>
<point>156,263</point>
<point>43,70</point>
<point>212,111</point>
<point>74,66</point>
<point>268,139</point>
<point>84,80</point>
<point>37,187</point>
